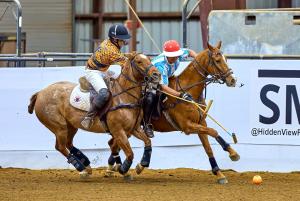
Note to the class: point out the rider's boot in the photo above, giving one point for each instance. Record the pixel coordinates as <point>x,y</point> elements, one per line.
<point>96,105</point>
<point>149,103</point>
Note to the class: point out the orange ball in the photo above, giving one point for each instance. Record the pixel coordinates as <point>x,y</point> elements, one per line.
<point>257,179</point>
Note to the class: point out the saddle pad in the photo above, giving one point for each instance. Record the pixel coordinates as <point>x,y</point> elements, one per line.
<point>79,99</point>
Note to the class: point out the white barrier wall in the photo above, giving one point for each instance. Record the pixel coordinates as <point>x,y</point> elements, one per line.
<point>264,113</point>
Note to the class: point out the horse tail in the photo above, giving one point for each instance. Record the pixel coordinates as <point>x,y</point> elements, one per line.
<point>32,103</point>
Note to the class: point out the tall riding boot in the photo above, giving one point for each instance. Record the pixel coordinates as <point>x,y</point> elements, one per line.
<point>88,120</point>
<point>97,104</point>
<point>149,103</point>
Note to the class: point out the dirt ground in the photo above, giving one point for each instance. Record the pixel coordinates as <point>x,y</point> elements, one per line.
<point>172,184</point>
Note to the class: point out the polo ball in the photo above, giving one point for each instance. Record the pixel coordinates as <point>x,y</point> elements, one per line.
<point>257,179</point>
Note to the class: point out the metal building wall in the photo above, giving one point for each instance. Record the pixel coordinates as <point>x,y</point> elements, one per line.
<point>48,24</point>
<point>83,29</point>
<point>257,4</point>
<point>296,3</point>
<point>160,30</point>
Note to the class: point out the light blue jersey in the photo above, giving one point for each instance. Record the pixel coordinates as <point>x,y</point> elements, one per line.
<point>166,69</point>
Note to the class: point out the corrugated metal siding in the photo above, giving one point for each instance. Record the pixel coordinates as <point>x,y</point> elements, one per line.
<point>162,31</point>
<point>296,3</point>
<point>83,6</point>
<point>257,4</point>
<point>48,24</point>
<point>83,36</point>
<point>145,5</point>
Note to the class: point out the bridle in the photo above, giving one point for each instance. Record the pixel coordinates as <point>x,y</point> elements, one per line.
<point>217,77</point>
<point>142,84</point>
<point>147,78</point>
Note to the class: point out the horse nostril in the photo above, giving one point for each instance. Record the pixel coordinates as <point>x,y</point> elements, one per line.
<point>233,82</point>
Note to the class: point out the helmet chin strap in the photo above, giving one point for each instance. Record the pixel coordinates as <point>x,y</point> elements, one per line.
<point>115,42</point>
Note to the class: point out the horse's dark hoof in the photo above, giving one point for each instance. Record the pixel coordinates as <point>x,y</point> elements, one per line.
<point>128,177</point>
<point>235,157</point>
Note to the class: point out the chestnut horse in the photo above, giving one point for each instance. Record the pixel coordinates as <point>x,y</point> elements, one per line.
<point>182,116</point>
<point>53,109</point>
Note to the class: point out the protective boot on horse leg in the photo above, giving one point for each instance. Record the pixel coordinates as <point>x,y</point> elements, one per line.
<point>96,105</point>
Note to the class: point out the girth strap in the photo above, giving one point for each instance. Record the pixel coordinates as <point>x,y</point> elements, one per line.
<point>125,105</point>
<point>170,120</point>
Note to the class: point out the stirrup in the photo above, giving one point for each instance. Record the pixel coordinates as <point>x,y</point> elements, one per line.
<point>87,122</point>
<point>149,130</point>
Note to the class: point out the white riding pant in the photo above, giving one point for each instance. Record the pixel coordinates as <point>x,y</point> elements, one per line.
<point>95,79</point>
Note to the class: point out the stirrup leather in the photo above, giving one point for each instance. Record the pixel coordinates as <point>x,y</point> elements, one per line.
<point>87,122</point>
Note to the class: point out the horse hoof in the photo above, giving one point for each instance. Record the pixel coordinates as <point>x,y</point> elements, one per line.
<point>139,168</point>
<point>235,157</point>
<point>89,170</point>
<point>109,173</point>
<point>84,175</point>
<point>128,177</point>
<point>222,181</point>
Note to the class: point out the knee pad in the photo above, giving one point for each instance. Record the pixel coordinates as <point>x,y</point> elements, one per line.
<point>102,97</point>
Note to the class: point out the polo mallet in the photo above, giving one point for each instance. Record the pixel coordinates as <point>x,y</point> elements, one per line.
<point>205,112</point>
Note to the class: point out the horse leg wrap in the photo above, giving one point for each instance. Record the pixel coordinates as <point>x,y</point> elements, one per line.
<point>75,162</point>
<point>145,162</point>
<point>83,158</point>
<point>114,158</point>
<point>125,167</point>
<point>214,166</point>
<point>222,142</point>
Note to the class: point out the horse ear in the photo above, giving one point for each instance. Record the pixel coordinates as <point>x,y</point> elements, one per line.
<point>130,55</point>
<point>219,44</point>
<point>211,48</point>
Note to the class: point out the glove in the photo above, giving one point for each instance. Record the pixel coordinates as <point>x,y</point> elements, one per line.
<point>186,96</point>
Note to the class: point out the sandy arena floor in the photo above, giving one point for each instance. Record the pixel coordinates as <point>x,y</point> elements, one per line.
<point>173,184</point>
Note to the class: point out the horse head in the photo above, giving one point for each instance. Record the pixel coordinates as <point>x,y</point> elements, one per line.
<point>142,68</point>
<point>216,65</point>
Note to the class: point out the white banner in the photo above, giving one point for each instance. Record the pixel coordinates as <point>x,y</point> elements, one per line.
<point>266,109</point>
<point>264,113</point>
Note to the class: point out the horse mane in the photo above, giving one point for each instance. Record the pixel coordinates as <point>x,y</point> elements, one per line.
<point>187,68</point>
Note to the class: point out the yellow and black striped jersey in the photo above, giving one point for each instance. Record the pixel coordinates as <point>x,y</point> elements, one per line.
<point>106,55</point>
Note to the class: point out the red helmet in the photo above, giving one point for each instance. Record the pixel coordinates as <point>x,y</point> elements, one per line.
<point>172,49</point>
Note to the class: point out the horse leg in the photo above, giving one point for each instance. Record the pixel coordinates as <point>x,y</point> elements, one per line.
<point>78,153</point>
<point>145,161</point>
<point>123,143</point>
<point>113,159</point>
<point>191,127</point>
<point>61,146</point>
<point>214,166</point>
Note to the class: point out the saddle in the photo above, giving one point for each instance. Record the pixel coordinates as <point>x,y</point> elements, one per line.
<point>86,87</point>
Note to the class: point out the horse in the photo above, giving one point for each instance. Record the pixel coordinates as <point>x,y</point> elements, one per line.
<point>53,109</point>
<point>182,116</point>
